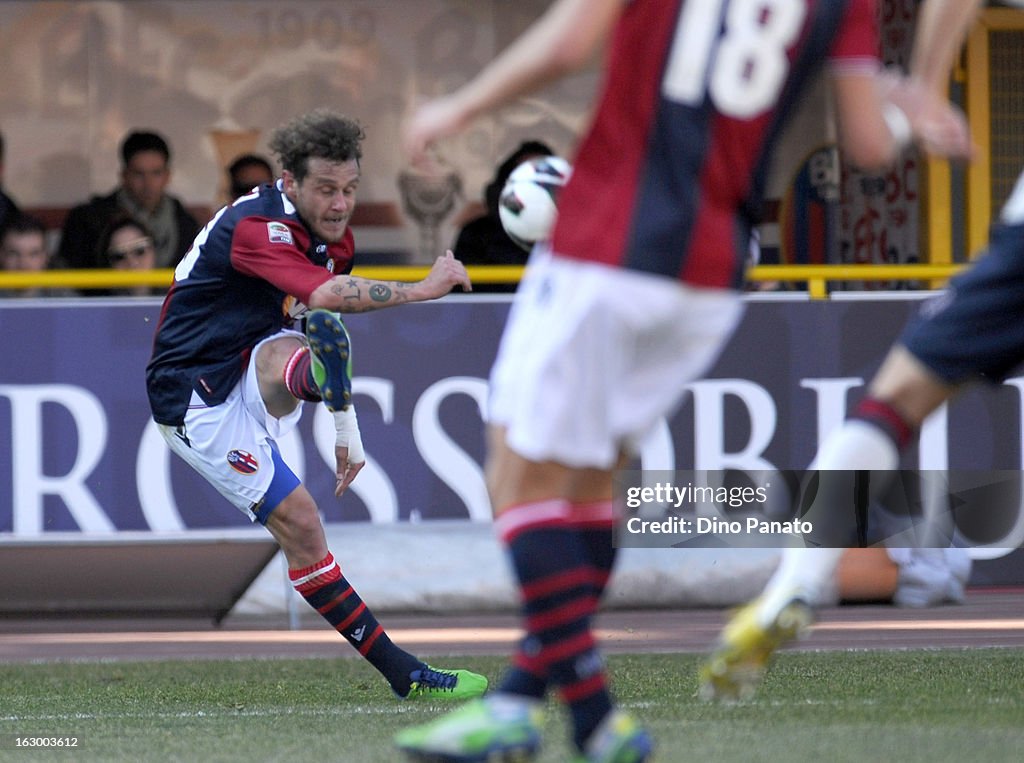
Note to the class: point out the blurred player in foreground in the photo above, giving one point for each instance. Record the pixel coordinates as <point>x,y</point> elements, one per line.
<point>975,330</point>
<point>229,372</point>
<point>634,298</point>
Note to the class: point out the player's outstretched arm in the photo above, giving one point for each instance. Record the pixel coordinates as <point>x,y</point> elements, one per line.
<point>560,41</point>
<point>942,26</point>
<point>881,114</point>
<point>352,294</point>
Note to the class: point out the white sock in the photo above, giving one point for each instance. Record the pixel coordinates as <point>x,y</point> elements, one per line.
<point>857,445</point>
<point>803,573</point>
<point>809,573</point>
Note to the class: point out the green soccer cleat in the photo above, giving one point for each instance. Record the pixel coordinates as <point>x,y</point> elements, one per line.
<point>740,657</point>
<point>330,353</point>
<point>431,683</point>
<point>618,740</point>
<point>498,729</point>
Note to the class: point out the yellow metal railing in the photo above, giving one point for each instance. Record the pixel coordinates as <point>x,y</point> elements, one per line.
<point>817,277</point>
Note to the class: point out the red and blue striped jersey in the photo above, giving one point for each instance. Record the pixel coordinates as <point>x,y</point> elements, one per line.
<point>670,177</point>
<point>237,285</point>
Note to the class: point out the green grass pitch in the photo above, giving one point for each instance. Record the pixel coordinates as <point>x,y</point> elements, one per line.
<point>942,705</point>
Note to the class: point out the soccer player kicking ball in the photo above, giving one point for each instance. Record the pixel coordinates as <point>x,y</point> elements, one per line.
<point>633,299</point>
<point>972,332</point>
<point>229,370</point>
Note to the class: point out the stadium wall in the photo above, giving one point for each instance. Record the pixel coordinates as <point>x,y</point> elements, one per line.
<point>79,453</point>
<point>217,77</point>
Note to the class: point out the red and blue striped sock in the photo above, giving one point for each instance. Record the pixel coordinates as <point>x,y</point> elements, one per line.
<point>595,521</point>
<point>298,376</point>
<point>559,592</point>
<point>328,592</point>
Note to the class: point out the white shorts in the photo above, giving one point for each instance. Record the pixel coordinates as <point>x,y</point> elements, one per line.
<point>593,356</point>
<point>232,444</point>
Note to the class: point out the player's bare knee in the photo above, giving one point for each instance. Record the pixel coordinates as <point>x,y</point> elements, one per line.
<point>272,357</point>
<point>591,485</point>
<point>270,360</point>
<point>304,521</point>
<point>494,467</point>
<point>505,474</point>
<point>513,479</point>
<point>295,524</point>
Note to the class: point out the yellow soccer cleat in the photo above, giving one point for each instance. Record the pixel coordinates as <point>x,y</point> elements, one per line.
<point>740,657</point>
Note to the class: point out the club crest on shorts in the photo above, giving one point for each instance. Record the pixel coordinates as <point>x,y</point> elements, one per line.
<point>279,233</point>
<point>242,461</point>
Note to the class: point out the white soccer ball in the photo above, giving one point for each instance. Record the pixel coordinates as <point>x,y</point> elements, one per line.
<point>528,202</point>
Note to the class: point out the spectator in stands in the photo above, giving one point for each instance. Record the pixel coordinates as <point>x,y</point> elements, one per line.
<point>145,173</point>
<point>23,248</point>
<point>246,172</point>
<point>483,241</point>
<point>8,209</point>
<point>126,244</point>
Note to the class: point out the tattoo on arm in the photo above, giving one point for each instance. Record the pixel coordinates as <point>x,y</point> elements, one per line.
<point>380,292</point>
<point>358,295</point>
<point>349,290</point>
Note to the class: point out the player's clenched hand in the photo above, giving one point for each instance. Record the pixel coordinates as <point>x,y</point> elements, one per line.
<point>433,120</point>
<point>939,127</point>
<point>942,130</point>
<point>446,273</point>
<point>347,470</point>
